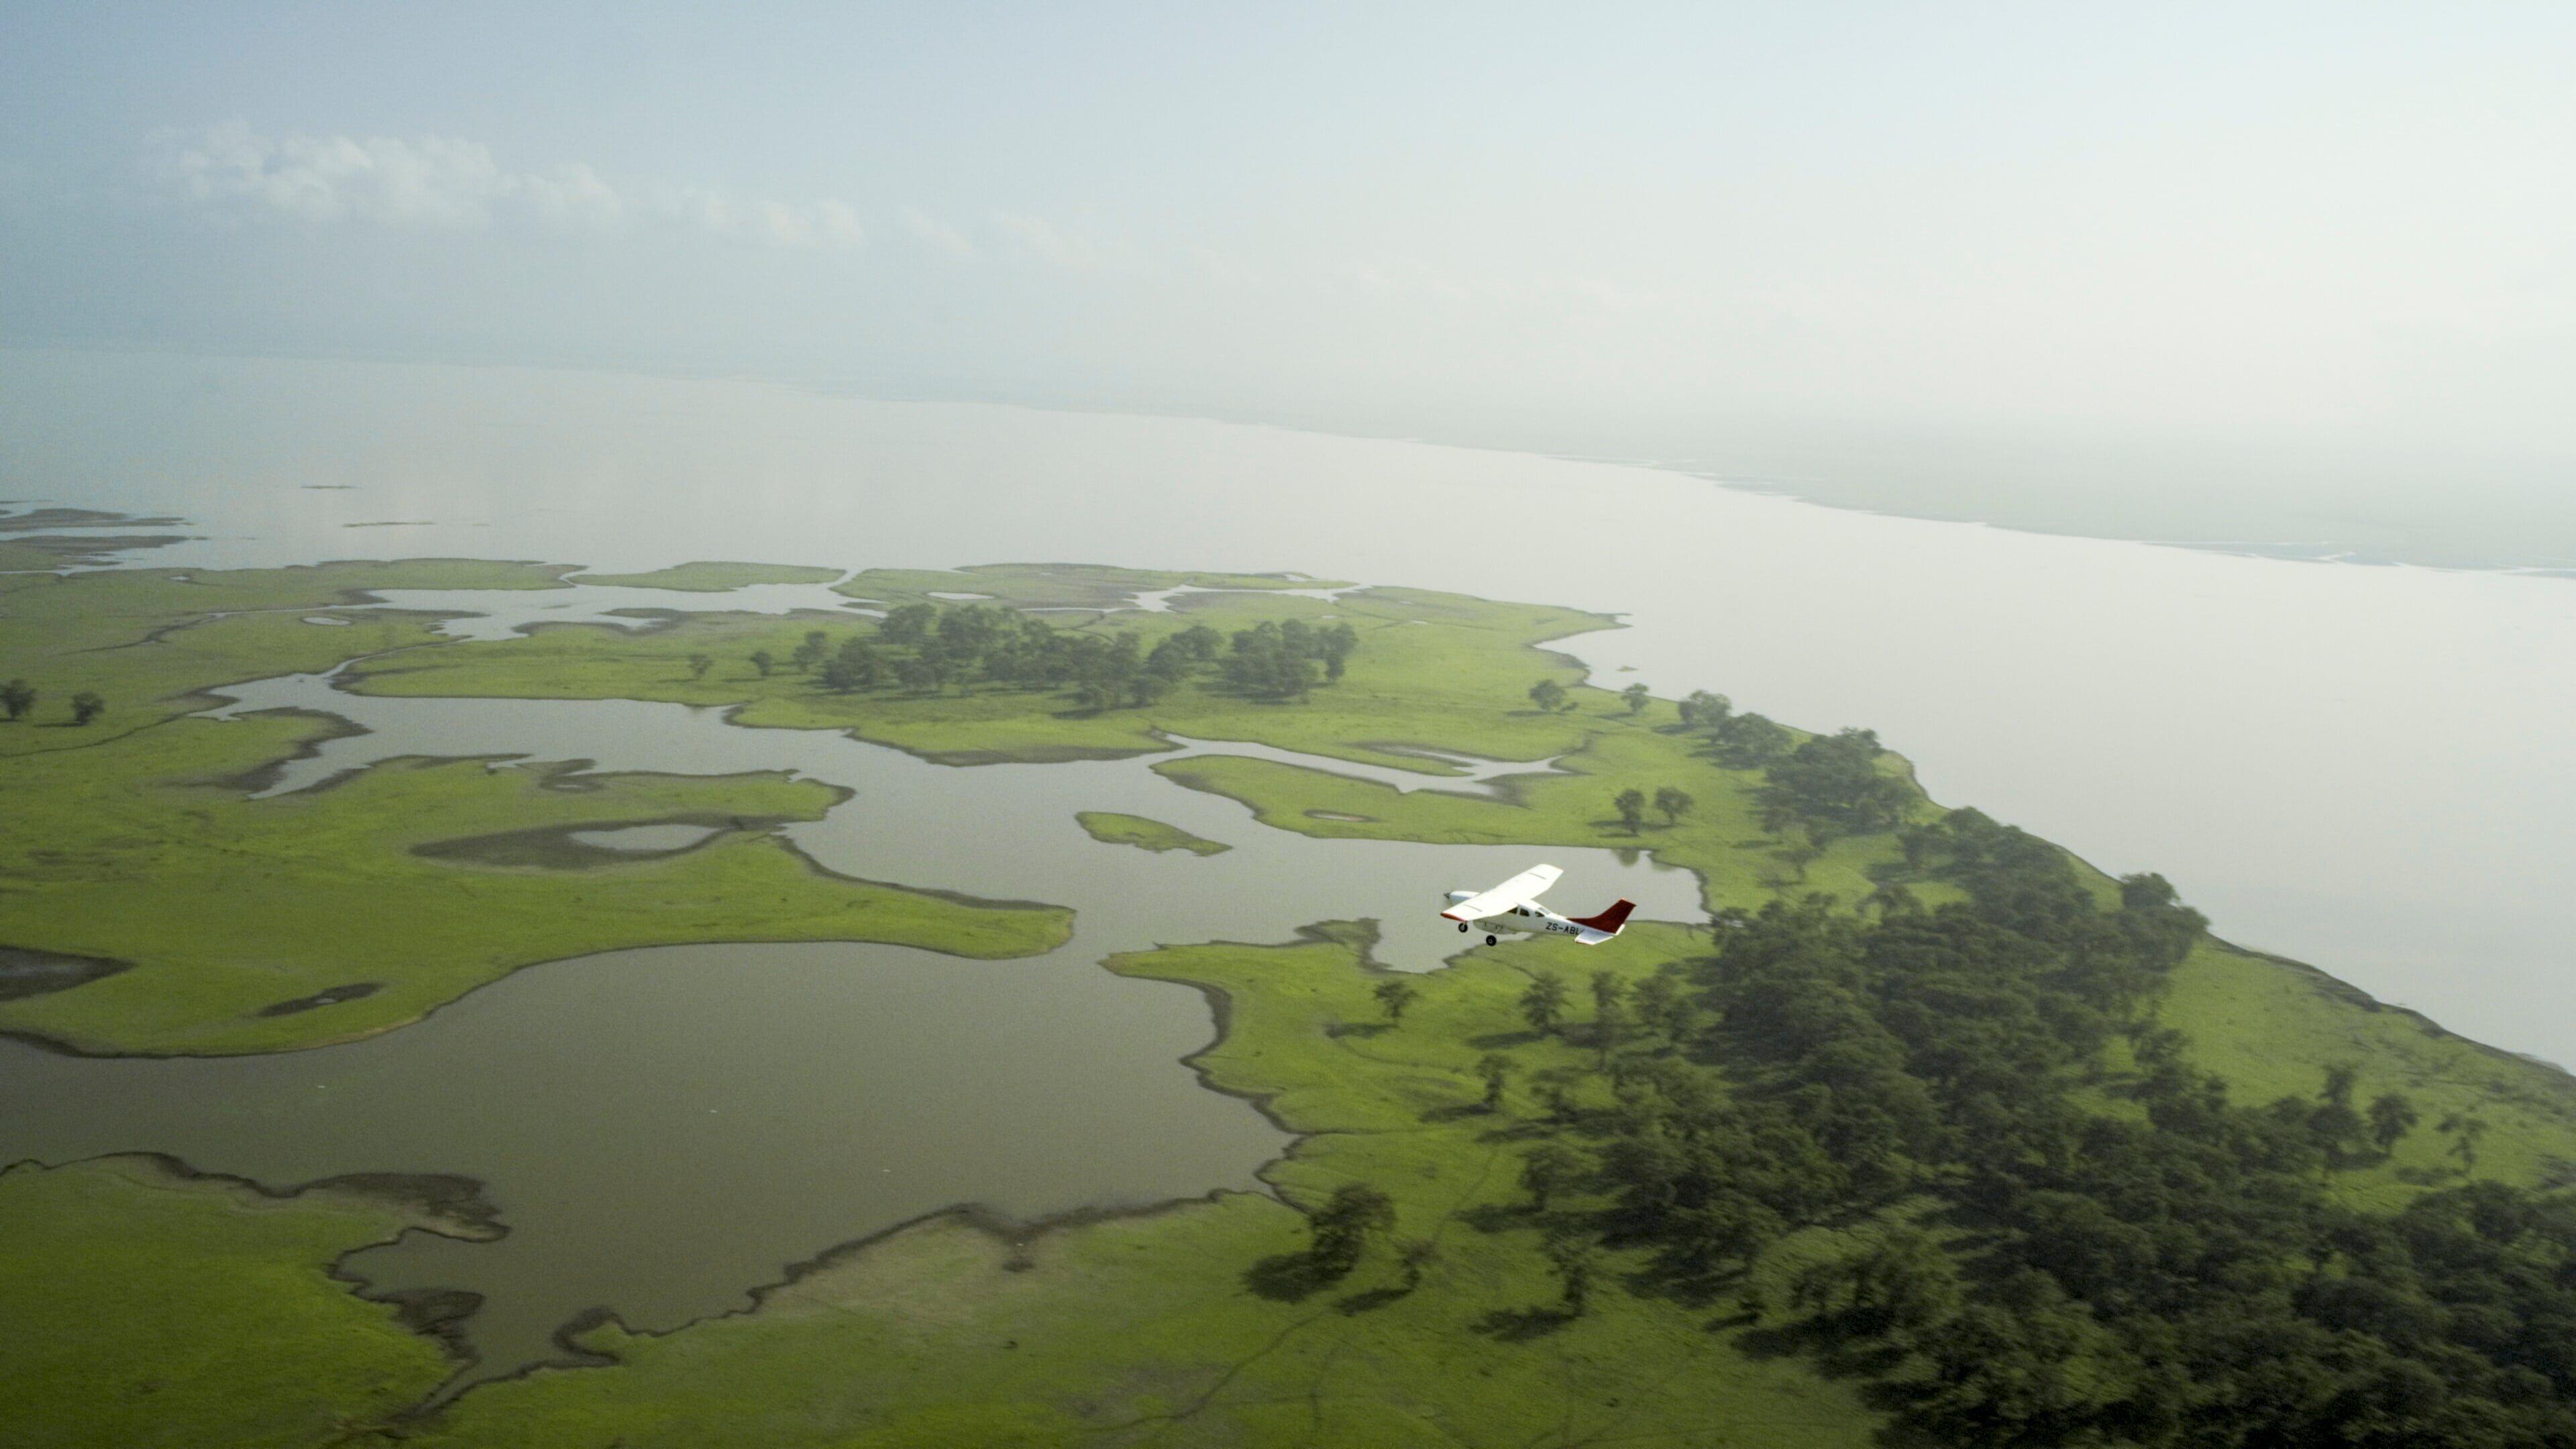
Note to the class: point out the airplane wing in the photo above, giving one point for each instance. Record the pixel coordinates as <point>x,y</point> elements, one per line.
<point>1520,890</point>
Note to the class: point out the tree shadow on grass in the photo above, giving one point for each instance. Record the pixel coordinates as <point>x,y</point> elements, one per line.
<point>1496,1217</point>
<point>1832,1345</point>
<point>1289,1277</point>
<point>1352,1305</point>
<point>1495,1041</point>
<point>1688,1285</point>
<point>1454,1112</point>
<point>1520,1325</point>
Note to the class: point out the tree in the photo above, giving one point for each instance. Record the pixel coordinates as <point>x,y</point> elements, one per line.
<point>1342,1227</point>
<point>1703,710</point>
<point>811,651</point>
<point>1543,1002</point>
<point>1548,1169</point>
<point>1673,803</point>
<point>855,667</point>
<point>1548,695</point>
<point>2392,1116</point>
<point>699,664</point>
<point>87,706</point>
<point>1576,1263</point>
<point>1337,644</point>
<point>1748,741</point>
<point>17,697</point>
<point>1835,779</point>
<point>1496,1069</point>
<point>1638,697</point>
<point>1902,1286</point>
<point>2465,1129</point>
<point>918,675</point>
<point>1660,1005</point>
<point>764,661</point>
<point>2334,1124</point>
<point>1631,805</point>
<point>910,624</point>
<point>1165,668</point>
<point>1394,996</point>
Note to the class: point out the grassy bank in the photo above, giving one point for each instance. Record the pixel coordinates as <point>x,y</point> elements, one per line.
<point>1463,679</point>
<point>144,1307</point>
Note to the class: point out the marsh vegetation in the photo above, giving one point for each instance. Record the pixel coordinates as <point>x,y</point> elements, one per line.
<point>1945,1127</point>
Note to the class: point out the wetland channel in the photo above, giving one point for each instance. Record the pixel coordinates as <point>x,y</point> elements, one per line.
<point>664,1129</point>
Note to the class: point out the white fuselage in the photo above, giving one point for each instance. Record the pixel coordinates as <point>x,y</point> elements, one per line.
<point>1521,920</point>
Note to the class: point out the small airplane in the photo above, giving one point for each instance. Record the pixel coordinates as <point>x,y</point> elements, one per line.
<point>1513,906</point>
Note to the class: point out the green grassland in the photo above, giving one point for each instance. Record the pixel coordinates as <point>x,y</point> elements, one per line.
<point>1199,1323</point>
<point>142,1307</point>
<point>150,642</point>
<point>1111,828</point>
<point>2270,1026</point>
<point>713,578</point>
<point>1466,675</point>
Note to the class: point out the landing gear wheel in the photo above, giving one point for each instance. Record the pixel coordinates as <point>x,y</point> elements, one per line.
<point>1490,941</point>
<point>1462,928</point>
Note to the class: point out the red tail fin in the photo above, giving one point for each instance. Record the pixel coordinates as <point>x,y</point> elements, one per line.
<point>1611,919</point>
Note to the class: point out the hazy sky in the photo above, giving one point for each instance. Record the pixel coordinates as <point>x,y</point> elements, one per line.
<point>2332,236</point>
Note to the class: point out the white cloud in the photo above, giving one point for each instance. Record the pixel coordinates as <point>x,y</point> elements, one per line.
<point>447,183</point>
<point>1043,242</point>
<point>933,233</point>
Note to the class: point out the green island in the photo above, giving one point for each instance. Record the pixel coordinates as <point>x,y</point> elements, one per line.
<point>1111,828</point>
<point>1932,1135</point>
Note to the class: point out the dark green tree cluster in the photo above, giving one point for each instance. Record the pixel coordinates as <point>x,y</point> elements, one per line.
<point>17,697</point>
<point>2177,1280</point>
<point>1834,781</point>
<point>923,649</point>
<point>1285,660</point>
<point>1749,741</point>
<point>1738,741</point>
<point>1670,801</point>
<point>2178,1276</point>
<point>1702,710</point>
